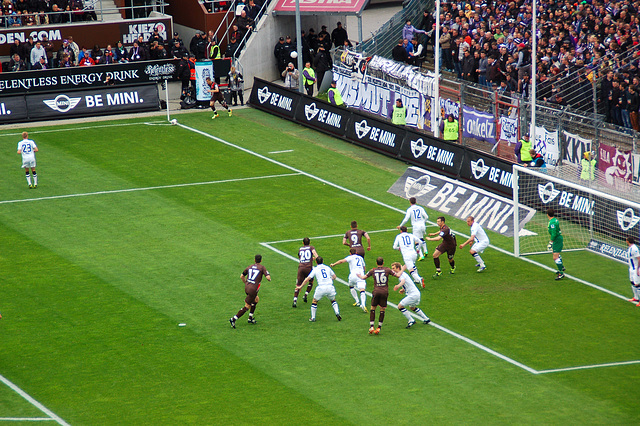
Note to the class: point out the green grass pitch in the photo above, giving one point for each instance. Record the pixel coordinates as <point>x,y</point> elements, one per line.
<point>135,228</point>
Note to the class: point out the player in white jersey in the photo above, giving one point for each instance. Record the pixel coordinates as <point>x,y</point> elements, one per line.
<point>634,269</point>
<point>412,296</point>
<point>325,276</point>
<point>28,149</point>
<point>418,217</point>
<point>407,243</point>
<point>356,266</point>
<point>480,242</point>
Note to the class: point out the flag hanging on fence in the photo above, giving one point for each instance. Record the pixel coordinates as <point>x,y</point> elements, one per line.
<point>478,125</point>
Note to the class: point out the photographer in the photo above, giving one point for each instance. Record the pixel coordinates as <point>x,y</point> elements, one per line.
<point>291,76</point>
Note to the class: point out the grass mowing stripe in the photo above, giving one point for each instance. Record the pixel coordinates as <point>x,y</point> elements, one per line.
<point>439,327</point>
<point>32,401</point>
<point>148,188</point>
<point>357,194</point>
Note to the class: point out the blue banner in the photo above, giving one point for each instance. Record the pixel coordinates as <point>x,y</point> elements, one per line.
<point>478,125</point>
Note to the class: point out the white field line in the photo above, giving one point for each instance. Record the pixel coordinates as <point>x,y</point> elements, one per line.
<point>148,188</point>
<point>26,419</point>
<point>585,367</point>
<point>281,152</point>
<point>32,401</point>
<point>439,327</point>
<point>73,129</point>
<point>357,194</point>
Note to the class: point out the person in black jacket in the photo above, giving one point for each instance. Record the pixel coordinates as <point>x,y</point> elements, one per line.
<point>322,64</point>
<point>183,73</point>
<point>399,52</point>
<point>339,35</point>
<point>280,52</point>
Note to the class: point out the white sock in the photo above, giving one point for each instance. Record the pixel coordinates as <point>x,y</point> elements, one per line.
<point>363,298</point>
<point>35,180</point>
<point>336,309</point>
<point>636,292</point>
<point>314,308</point>
<point>354,293</point>
<point>479,259</point>
<point>417,278</point>
<point>29,180</point>
<point>423,246</point>
<point>421,314</point>
<point>406,314</point>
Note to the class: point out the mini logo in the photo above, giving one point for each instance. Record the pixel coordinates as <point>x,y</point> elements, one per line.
<point>479,169</point>
<point>62,103</point>
<point>417,187</point>
<point>264,94</point>
<point>547,192</point>
<point>627,219</point>
<point>310,111</point>
<point>418,148</point>
<point>362,129</point>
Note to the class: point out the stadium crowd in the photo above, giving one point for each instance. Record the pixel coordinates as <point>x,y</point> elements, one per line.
<point>16,13</point>
<point>489,43</point>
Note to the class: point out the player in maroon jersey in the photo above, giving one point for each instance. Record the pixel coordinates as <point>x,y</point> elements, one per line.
<point>251,277</point>
<point>307,253</point>
<point>448,245</point>
<point>353,238</point>
<point>216,95</point>
<point>380,294</point>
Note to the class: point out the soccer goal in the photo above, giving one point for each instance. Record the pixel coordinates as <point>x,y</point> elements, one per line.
<point>590,219</point>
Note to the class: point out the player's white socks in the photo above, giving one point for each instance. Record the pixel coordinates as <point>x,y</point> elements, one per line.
<point>28,179</point>
<point>417,278</point>
<point>354,293</point>
<point>636,292</point>
<point>423,247</point>
<point>406,314</point>
<point>314,308</point>
<point>35,179</point>
<point>363,298</point>
<point>336,309</point>
<point>421,314</point>
<point>479,259</point>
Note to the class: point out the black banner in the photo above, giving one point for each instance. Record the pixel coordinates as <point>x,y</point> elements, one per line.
<point>63,79</point>
<point>436,154</point>
<point>13,109</point>
<point>487,171</point>
<point>322,115</point>
<point>275,99</point>
<point>86,103</point>
<point>376,134</point>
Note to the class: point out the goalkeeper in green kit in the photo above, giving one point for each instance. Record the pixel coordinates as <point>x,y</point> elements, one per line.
<point>555,244</point>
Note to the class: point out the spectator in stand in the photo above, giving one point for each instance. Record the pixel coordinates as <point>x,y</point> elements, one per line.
<point>339,35</point>
<point>176,37</point>
<point>109,57</point>
<point>16,64</point>
<point>178,51</point>
<point>137,53</point>
<point>83,52</point>
<point>483,65</point>
<point>86,60</point>
<point>252,11</point>
<point>156,37</point>
<point>468,66</point>
<point>193,43</point>
<point>57,15</point>
<point>494,75</point>
<point>322,63</point>
<point>48,47</point>
<point>408,47</point>
<point>323,32</point>
<point>232,49</point>
<point>65,61</point>
<point>65,49</point>
<point>417,55</point>
<point>42,18</point>
<point>42,64</point>
<point>201,47</point>
<point>161,52</point>
<point>312,40</point>
<point>96,53</point>
<point>399,53</point>
<point>633,104</point>
<point>245,24</point>
<point>36,53</point>
<point>75,49</point>
<point>16,48</point>
<point>409,31</point>
<point>122,53</point>
<point>28,19</point>
<point>445,47</point>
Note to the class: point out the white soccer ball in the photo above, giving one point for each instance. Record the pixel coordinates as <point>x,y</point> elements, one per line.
<point>294,54</point>
<point>174,122</point>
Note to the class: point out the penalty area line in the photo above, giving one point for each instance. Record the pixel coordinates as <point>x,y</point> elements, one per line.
<point>380,203</point>
<point>148,188</point>
<point>438,326</point>
<point>26,419</point>
<point>32,401</point>
<point>327,236</point>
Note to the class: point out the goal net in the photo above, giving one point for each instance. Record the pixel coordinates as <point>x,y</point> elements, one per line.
<point>590,218</point>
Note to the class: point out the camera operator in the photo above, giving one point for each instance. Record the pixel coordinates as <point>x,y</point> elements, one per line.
<point>291,76</point>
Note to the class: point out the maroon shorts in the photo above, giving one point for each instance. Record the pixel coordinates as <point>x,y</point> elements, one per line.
<point>303,272</point>
<point>449,249</point>
<point>217,96</point>
<point>252,293</point>
<point>379,299</point>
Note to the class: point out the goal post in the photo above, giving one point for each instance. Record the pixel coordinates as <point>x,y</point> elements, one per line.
<point>590,219</point>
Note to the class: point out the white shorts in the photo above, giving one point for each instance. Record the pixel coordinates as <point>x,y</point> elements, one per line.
<point>633,276</point>
<point>411,301</point>
<point>325,291</point>
<point>479,247</point>
<point>355,281</point>
<point>410,259</point>
<point>418,231</point>
<point>29,164</point>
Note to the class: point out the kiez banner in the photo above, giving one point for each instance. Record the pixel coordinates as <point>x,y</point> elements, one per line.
<point>460,200</point>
